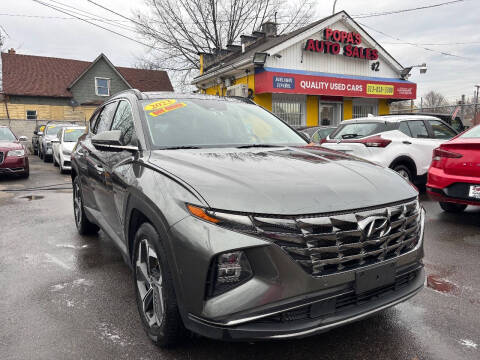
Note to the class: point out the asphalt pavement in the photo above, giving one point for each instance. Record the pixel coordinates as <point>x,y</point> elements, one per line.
<point>64,296</point>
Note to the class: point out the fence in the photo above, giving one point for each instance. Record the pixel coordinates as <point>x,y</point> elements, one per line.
<point>466,111</point>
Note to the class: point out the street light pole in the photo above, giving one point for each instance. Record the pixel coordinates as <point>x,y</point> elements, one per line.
<point>476,103</point>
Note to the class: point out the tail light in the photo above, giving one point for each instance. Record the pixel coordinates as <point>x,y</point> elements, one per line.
<point>440,155</point>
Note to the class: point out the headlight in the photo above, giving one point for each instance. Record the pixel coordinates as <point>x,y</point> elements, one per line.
<point>231,221</point>
<point>66,152</point>
<point>16,153</point>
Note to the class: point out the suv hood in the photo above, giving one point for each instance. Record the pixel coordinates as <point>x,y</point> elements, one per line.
<point>283,181</point>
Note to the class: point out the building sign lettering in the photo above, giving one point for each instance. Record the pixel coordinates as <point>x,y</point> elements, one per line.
<point>283,82</point>
<point>332,41</point>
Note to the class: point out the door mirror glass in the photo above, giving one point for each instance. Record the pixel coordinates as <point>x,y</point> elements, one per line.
<point>22,138</point>
<point>40,133</point>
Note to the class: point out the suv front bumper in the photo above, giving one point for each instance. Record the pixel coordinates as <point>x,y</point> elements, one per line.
<point>338,310</point>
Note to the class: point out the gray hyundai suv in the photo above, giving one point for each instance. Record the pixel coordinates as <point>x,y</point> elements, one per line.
<point>235,227</point>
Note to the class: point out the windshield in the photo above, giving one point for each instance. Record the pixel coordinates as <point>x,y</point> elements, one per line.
<point>6,134</point>
<point>357,130</point>
<point>52,130</point>
<point>472,133</point>
<point>210,123</point>
<point>72,135</point>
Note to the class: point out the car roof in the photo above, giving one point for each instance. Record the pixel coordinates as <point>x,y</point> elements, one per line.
<point>391,118</point>
<point>151,95</point>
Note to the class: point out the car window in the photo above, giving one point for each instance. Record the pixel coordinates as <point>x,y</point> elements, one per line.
<point>123,121</point>
<point>323,133</point>
<point>418,129</point>
<point>472,133</point>
<point>457,124</point>
<point>212,122</point>
<point>72,135</point>
<point>105,118</point>
<point>93,121</point>
<point>403,127</point>
<point>440,130</point>
<point>6,134</point>
<point>356,130</point>
<point>315,137</point>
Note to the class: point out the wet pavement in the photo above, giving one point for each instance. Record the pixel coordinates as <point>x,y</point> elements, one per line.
<point>64,296</point>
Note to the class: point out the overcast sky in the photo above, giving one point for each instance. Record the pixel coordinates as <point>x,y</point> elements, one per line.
<point>454,23</point>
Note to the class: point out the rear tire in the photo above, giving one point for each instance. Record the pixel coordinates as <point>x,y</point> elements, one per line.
<point>155,294</point>
<point>84,226</point>
<point>404,172</point>
<point>452,207</point>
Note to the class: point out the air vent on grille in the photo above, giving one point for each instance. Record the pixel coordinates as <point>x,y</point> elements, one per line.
<point>328,244</point>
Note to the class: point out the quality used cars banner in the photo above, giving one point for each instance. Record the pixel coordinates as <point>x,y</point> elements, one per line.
<point>267,81</point>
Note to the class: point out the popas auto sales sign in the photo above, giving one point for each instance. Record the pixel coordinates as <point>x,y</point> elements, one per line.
<point>333,39</point>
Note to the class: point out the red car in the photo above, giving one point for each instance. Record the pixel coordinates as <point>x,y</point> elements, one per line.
<point>454,175</point>
<point>13,155</point>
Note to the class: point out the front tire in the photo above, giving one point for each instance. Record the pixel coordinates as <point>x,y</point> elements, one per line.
<point>452,207</point>
<point>155,294</point>
<point>84,226</point>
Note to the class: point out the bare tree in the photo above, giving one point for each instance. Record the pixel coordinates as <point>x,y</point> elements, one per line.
<point>434,101</point>
<point>2,45</point>
<point>180,29</point>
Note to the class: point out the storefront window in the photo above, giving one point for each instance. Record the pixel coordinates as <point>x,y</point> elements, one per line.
<point>364,107</point>
<point>330,114</point>
<point>289,108</point>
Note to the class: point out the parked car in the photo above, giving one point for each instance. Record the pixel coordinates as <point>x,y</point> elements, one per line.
<point>236,228</point>
<point>454,176</point>
<point>63,145</point>
<point>403,143</point>
<point>456,123</point>
<point>36,134</point>
<point>50,132</point>
<point>317,134</point>
<point>13,155</point>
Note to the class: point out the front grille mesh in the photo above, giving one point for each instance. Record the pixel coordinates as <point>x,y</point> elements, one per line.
<point>329,244</point>
<point>1,157</point>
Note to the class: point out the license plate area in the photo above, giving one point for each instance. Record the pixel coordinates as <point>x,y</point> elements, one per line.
<point>378,276</point>
<point>474,191</point>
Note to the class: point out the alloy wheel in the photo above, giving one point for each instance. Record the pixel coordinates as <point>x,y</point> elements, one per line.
<point>403,173</point>
<point>150,283</point>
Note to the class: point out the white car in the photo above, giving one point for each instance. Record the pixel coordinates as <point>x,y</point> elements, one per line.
<point>64,144</point>
<point>403,143</point>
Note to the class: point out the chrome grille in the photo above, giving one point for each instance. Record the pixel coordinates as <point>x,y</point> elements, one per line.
<point>332,243</point>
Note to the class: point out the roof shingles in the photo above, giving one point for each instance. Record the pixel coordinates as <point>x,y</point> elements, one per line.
<point>29,75</point>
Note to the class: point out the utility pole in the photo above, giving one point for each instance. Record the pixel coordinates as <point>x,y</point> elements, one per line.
<point>476,103</point>
<point>334,3</point>
<point>421,104</point>
<point>462,107</point>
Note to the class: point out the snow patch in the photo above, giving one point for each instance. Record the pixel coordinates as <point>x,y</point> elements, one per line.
<point>110,334</point>
<point>468,343</point>
<point>70,246</point>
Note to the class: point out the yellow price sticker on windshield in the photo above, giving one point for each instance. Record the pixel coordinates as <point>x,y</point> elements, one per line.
<point>69,130</point>
<point>159,104</point>
<point>167,109</point>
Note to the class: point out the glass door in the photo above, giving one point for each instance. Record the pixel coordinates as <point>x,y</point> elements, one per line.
<point>330,113</point>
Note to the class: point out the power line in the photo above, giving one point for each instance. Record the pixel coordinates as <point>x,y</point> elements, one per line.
<point>433,44</point>
<point>367,15</point>
<point>413,44</point>
<point>91,23</point>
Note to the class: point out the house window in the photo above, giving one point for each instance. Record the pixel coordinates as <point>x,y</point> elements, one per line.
<point>31,114</point>
<point>102,86</point>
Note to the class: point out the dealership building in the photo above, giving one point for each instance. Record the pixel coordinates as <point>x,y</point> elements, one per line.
<point>321,74</point>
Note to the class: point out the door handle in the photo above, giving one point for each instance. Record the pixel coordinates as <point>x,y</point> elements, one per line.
<point>99,168</point>
<point>407,142</point>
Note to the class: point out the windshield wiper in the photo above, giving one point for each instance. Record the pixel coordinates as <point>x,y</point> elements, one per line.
<point>180,147</point>
<point>350,136</point>
<point>257,145</point>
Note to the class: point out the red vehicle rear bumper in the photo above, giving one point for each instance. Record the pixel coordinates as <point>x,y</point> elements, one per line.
<point>444,187</point>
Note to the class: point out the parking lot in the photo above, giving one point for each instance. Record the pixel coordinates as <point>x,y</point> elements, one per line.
<point>70,297</point>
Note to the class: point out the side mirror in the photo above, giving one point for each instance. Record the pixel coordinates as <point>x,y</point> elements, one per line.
<point>55,140</point>
<point>111,140</point>
<point>35,132</point>
<point>39,133</point>
<point>22,138</point>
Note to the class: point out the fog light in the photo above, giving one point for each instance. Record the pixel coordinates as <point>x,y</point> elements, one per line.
<point>229,270</point>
